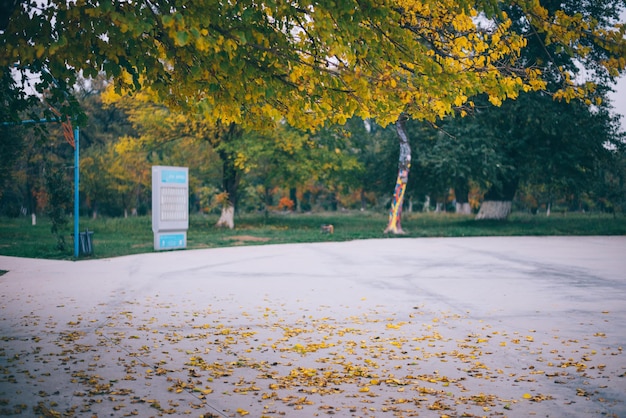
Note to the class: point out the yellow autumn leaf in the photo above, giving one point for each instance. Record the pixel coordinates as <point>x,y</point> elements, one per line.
<point>242,412</point>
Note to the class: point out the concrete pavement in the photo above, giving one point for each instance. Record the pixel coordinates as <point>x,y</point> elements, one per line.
<point>512,326</point>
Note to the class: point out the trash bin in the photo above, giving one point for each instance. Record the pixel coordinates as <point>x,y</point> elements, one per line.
<point>85,242</point>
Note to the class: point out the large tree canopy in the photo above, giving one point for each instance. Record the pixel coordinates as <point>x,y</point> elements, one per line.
<point>306,61</point>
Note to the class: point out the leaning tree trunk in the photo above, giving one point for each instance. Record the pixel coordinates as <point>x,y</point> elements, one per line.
<point>404,163</point>
<point>498,201</point>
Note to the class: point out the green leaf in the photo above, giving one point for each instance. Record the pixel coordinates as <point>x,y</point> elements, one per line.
<point>182,38</point>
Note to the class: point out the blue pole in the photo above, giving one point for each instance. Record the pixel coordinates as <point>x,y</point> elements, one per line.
<point>76,188</point>
<point>25,122</point>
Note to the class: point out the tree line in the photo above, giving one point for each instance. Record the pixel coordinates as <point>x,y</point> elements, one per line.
<point>536,153</point>
<point>300,102</point>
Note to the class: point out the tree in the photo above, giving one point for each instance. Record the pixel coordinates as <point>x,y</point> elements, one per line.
<point>551,148</point>
<point>59,196</point>
<point>163,137</point>
<point>542,142</point>
<point>611,191</point>
<point>251,63</point>
<point>404,164</point>
<point>12,144</point>
<point>12,148</point>
<point>454,154</point>
<point>376,151</point>
<point>309,63</point>
<point>334,163</point>
<point>283,158</point>
<point>225,135</point>
<point>537,120</point>
<point>103,127</point>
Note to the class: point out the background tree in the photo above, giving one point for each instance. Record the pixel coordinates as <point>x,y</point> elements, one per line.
<point>533,124</point>
<point>170,137</point>
<point>11,147</point>
<point>335,164</point>
<point>59,193</point>
<point>540,141</point>
<point>13,143</point>
<point>611,191</point>
<point>104,126</point>
<point>376,151</point>
<point>279,160</point>
<point>453,156</point>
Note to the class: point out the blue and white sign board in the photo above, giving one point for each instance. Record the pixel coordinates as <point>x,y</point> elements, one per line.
<point>170,207</point>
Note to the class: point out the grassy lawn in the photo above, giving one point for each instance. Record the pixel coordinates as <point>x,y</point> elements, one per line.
<point>122,236</point>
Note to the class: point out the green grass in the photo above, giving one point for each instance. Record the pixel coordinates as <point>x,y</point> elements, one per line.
<point>122,236</point>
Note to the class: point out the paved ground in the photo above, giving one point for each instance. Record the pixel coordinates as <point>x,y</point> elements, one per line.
<point>396,327</point>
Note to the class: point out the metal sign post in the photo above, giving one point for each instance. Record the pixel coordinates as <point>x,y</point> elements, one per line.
<point>76,190</point>
<point>170,207</point>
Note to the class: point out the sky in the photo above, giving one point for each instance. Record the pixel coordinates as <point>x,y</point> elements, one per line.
<point>619,97</point>
<point>619,100</point>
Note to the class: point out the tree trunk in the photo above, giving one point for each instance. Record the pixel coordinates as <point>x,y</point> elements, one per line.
<point>267,201</point>
<point>498,201</point>
<point>229,182</point>
<point>463,208</point>
<point>363,204</point>
<point>404,164</point>
<point>334,203</point>
<point>293,196</point>
<point>461,193</point>
<point>230,177</point>
<point>227,217</point>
